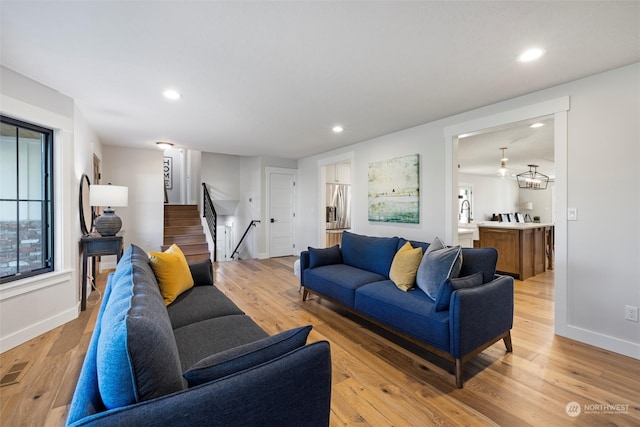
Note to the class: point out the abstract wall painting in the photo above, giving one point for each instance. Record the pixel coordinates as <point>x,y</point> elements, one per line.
<point>394,193</point>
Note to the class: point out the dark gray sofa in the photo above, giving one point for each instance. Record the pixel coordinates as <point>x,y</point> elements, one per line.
<point>465,322</point>
<point>198,361</point>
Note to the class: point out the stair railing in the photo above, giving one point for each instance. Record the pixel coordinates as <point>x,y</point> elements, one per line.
<point>251,224</point>
<point>209,212</point>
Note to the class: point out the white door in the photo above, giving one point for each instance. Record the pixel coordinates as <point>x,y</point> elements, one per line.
<point>281,211</point>
<point>223,243</point>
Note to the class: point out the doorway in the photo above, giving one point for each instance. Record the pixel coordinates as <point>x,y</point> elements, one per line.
<point>558,109</point>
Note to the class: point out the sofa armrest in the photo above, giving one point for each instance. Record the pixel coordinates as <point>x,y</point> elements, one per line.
<point>292,390</point>
<point>480,314</point>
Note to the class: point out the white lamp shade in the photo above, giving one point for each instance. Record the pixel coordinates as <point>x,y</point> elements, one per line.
<point>108,195</point>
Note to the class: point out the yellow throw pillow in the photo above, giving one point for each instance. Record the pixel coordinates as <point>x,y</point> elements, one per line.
<point>172,272</point>
<point>405,266</point>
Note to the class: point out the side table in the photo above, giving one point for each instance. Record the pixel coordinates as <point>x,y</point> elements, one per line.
<point>93,245</point>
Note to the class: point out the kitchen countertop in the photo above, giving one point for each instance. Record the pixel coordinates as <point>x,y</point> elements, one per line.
<point>514,225</point>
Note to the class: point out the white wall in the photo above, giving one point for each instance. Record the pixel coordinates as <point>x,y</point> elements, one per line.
<point>32,306</point>
<point>242,179</point>
<point>175,194</point>
<point>603,136</point>
<point>141,171</point>
<point>491,195</point>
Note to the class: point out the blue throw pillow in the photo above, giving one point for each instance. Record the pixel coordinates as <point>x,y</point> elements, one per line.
<point>436,267</point>
<point>246,356</point>
<point>450,285</point>
<point>326,256</point>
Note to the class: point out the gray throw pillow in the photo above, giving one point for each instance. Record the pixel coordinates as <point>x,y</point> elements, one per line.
<point>450,285</point>
<point>246,356</point>
<point>436,267</point>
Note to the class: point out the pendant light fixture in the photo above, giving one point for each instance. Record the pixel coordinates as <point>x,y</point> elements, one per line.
<point>532,179</point>
<point>503,164</point>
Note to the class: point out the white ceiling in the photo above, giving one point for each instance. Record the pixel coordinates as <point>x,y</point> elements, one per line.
<point>272,78</point>
<point>481,154</point>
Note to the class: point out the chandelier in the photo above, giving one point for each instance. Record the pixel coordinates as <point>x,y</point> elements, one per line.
<point>532,179</point>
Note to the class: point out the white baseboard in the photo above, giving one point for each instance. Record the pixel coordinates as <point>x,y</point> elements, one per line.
<point>605,342</point>
<point>20,337</point>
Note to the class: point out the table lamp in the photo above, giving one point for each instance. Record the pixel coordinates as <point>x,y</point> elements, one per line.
<point>108,224</point>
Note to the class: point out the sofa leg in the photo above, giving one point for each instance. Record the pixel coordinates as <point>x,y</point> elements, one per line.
<point>305,293</point>
<point>459,380</point>
<point>507,342</point>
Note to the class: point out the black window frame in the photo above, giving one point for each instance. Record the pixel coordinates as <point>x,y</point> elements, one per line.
<point>47,200</point>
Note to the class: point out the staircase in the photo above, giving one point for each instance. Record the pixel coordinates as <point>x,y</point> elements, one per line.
<point>183,227</point>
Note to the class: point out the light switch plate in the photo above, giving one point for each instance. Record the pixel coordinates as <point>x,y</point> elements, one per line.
<point>572,214</point>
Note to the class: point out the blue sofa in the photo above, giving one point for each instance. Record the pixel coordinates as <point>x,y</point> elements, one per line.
<point>356,277</point>
<point>198,361</point>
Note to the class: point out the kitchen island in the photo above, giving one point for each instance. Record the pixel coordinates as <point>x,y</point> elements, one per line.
<point>524,249</point>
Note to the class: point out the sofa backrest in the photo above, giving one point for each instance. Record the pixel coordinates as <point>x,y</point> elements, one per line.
<point>369,253</point>
<point>137,356</point>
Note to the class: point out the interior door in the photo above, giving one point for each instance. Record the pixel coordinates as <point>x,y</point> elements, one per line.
<point>281,212</point>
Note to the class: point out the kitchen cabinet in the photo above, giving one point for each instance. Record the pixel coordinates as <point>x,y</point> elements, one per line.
<point>524,249</point>
<point>339,173</point>
<point>334,237</point>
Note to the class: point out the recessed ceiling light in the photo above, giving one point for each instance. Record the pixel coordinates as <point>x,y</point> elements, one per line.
<point>172,94</point>
<point>537,125</point>
<point>337,129</point>
<point>531,54</point>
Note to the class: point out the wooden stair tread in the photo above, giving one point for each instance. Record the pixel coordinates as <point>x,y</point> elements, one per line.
<point>183,226</point>
<point>184,239</point>
<point>182,222</point>
<point>182,230</point>
<point>190,248</point>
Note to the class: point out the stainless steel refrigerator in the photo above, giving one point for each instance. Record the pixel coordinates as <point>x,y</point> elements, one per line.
<point>338,206</point>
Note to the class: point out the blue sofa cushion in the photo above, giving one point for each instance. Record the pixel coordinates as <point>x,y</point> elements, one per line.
<point>369,253</point>
<point>137,357</point>
<point>438,266</point>
<point>324,256</point>
<point>450,285</point>
<point>246,356</point>
<point>339,281</point>
<point>412,313</point>
<point>414,244</point>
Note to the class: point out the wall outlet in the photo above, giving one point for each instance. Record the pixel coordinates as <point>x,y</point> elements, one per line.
<point>631,313</point>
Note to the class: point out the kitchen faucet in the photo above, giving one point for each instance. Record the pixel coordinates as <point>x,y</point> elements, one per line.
<point>462,208</point>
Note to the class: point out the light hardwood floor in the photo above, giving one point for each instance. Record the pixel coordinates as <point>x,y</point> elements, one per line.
<point>377,379</point>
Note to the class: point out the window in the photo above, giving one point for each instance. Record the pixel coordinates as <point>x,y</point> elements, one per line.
<point>26,200</point>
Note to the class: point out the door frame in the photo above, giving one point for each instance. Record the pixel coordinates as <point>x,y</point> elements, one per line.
<point>269,170</point>
<point>558,108</point>
<point>322,191</point>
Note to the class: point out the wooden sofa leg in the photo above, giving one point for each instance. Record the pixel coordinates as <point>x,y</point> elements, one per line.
<point>305,293</point>
<point>459,380</point>
<point>507,342</point>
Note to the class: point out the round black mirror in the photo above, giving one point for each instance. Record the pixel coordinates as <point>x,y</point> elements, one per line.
<point>86,216</point>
